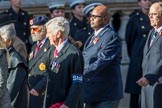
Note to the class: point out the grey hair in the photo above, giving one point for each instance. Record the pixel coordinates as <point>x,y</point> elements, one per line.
<point>8,32</point>
<point>59,24</point>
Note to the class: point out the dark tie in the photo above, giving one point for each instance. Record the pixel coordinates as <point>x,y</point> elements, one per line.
<point>153,37</point>
<point>55,53</point>
<point>37,49</point>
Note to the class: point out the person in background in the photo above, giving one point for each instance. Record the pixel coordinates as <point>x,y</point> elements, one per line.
<point>78,21</point>
<point>17,69</point>
<point>57,8</point>
<point>136,35</point>
<point>151,81</point>
<point>65,87</point>
<point>21,23</point>
<point>38,62</point>
<point>82,35</point>
<point>102,82</point>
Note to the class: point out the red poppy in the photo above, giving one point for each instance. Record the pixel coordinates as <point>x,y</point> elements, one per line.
<point>95,40</point>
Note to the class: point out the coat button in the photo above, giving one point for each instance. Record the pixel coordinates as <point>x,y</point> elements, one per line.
<point>143,27</point>
<point>144,35</point>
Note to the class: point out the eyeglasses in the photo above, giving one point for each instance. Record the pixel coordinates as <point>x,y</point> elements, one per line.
<point>35,29</point>
<point>95,16</point>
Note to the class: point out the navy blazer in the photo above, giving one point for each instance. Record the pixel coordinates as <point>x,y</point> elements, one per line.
<point>102,76</point>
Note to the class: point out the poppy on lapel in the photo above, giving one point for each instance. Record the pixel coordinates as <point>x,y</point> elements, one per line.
<point>95,40</point>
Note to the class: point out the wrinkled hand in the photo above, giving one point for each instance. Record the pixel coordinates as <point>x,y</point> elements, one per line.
<point>64,106</point>
<point>34,92</point>
<point>142,81</point>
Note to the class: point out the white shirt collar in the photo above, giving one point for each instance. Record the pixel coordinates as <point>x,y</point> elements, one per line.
<point>159,29</point>
<point>98,31</point>
<point>61,45</point>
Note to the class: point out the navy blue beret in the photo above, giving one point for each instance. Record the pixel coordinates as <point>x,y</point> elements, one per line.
<point>39,20</point>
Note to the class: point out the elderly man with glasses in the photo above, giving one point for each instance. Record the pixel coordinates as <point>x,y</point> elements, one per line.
<point>151,81</point>
<point>102,83</point>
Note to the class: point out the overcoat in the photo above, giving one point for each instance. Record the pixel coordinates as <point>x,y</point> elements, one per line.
<point>5,101</point>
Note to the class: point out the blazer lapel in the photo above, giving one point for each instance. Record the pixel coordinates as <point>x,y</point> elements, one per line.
<point>41,52</point>
<point>148,41</point>
<point>98,36</point>
<point>63,51</point>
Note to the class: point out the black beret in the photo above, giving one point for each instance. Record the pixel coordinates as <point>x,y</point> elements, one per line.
<point>39,20</point>
<point>5,19</point>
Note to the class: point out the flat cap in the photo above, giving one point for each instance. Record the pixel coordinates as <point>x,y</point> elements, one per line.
<point>5,19</point>
<point>39,20</point>
<point>87,9</point>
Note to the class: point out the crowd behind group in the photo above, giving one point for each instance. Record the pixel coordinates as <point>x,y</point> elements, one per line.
<point>55,62</point>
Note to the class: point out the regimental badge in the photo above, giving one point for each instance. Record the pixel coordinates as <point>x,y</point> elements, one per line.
<point>31,22</point>
<point>42,67</point>
<point>31,55</point>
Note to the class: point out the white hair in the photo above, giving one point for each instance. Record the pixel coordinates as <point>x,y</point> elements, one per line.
<point>59,24</point>
<point>8,32</point>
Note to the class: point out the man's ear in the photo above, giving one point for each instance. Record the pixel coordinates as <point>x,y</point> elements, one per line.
<point>59,34</point>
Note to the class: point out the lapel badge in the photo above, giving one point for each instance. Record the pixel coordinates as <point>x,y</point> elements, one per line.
<point>95,40</point>
<point>45,49</point>
<point>31,22</point>
<point>42,67</point>
<point>31,55</point>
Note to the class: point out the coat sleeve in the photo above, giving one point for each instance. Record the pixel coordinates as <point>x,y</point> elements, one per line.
<point>41,85</point>
<point>75,93</point>
<point>15,80</point>
<point>3,71</point>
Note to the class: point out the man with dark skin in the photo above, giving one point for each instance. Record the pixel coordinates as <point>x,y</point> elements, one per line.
<point>103,86</point>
